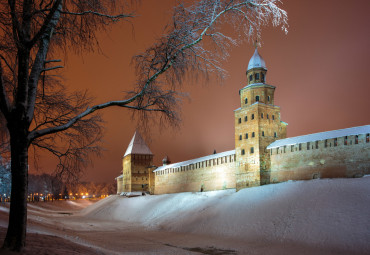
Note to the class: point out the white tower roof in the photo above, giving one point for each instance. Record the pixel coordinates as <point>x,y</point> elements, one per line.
<point>256,61</point>
<point>137,146</point>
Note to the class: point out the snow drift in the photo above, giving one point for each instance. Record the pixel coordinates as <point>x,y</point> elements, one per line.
<point>322,213</point>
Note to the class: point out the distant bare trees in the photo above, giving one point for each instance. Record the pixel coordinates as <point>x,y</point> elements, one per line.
<point>44,185</point>
<point>35,108</point>
<point>5,180</point>
<point>49,187</point>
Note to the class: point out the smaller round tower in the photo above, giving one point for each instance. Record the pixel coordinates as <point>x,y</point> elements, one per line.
<point>166,161</point>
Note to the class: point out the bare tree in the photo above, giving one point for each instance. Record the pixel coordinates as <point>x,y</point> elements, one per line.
<point>37,111</point>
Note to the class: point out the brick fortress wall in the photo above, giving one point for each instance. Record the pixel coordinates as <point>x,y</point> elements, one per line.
<point>136,173</point>
<point>332,158</point>
<point>213,174</point>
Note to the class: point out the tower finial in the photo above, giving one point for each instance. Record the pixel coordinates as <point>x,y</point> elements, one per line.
<point>256,44</point>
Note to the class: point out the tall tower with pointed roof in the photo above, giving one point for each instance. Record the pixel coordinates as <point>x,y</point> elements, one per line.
<point>136,165</point>
<point>257,124</point>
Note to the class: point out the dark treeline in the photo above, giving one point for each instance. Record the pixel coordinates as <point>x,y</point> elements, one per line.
<point>46,187</point>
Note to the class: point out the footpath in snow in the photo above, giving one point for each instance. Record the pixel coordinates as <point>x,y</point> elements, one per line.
<point>330,213</point>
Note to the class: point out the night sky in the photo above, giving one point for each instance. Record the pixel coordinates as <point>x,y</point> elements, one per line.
<point>320,70</point>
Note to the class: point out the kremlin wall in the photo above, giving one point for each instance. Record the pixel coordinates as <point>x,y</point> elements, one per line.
<point>262,154</point>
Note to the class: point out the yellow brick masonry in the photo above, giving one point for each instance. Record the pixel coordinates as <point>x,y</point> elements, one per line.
<point>216,173</point>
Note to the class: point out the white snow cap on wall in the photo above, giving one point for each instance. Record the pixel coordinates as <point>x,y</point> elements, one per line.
<point>320,136</point>
<point>193,161</point>
<point>256,61</point>
<point>138,146</point>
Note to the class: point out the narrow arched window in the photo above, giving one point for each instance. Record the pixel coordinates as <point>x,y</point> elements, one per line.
<point>257,75</point>
<point>263,133</point>
<point>240,120</point>
<point>246,100</point>
<point>250,77</point>
<point>246,118</point>
<point>356,139</point>
<point>345,140</point>
<point>253,116</point>
<point>262,77</point>
<point>240,137</point>
<point>261,115</point>
<point>257,98</point>
<point>246,135</point>
<point>267,116</point>
<point>268,98</point>
<point>243,152</point>
<point>252,150</point>
<point>252,134</point>
<point>275,134</point>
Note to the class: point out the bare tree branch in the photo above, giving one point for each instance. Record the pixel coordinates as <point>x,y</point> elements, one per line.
<point>51,68</point>
<point>111,17</point>
<point>52,60</point>
<point>41,56</point>
<point>47,23</point>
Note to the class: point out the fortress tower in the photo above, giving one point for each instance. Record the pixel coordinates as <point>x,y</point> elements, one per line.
<point>257,124</point>
<point>136,165</point>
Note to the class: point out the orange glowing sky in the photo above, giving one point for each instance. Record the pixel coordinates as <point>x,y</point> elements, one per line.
<point>320,70</point>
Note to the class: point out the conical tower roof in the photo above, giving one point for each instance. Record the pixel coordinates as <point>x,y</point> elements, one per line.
<point>256,61</point>
<point>137,146</point>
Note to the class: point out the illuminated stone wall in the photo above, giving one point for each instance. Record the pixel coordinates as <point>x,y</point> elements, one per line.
<point>343,158</point>
<point>136,172</point>
<point>119,185</point>
<point>213,174</point>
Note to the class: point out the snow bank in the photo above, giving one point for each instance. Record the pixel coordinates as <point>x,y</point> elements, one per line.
<point>327,212</point>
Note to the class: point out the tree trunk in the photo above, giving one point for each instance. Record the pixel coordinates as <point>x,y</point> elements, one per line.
<point>16,236</point>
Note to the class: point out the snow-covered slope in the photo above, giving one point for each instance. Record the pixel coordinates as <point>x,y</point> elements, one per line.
<point>323,213</point>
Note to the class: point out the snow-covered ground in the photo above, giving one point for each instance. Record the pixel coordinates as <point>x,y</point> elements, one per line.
<point>328,216</point>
